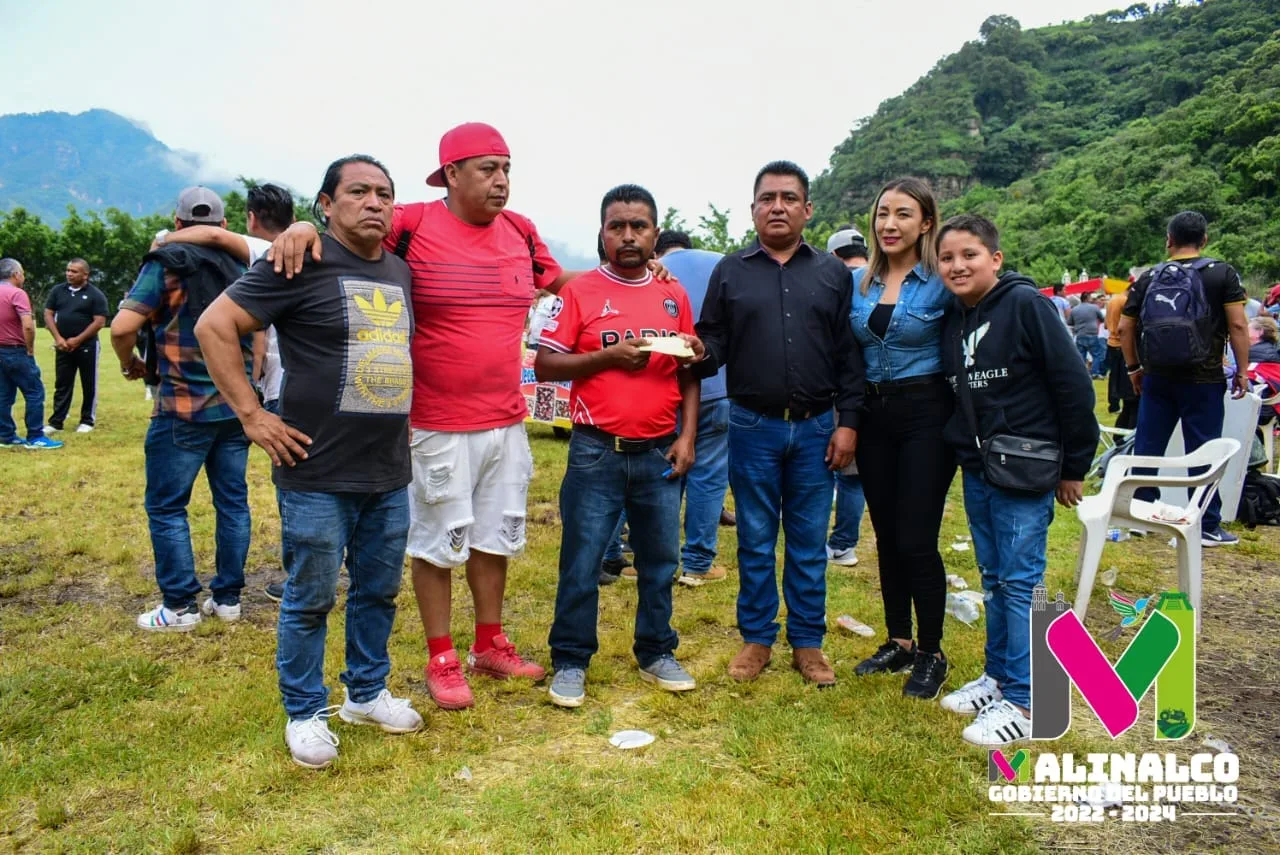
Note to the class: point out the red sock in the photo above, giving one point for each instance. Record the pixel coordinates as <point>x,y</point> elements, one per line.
<point>438,645</point>
<point>485,633</point>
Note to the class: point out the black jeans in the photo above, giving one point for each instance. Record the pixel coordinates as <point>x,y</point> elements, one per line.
<point>82,361</point>
<point>906,470</point>
<point>1120,390</point>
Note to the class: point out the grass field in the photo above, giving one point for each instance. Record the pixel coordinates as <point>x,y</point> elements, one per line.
<point>116,740</point>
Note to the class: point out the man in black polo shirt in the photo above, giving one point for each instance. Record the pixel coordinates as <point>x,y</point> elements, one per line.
<point>776,315</point>
<point>73,313</point>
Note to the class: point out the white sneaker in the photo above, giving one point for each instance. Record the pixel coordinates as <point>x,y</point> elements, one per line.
<point>161,619</point>
<point>843,557</point>
<point>392,714</point>
<point>311,742</point>
<point>228,613</point>
<point>997,724</point>
<point>970,698</point>
<point>85,429</point>
<point>50,430</point>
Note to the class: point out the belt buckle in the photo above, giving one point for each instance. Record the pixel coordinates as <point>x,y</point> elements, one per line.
<point>786,414</point>
<point>617,444</point>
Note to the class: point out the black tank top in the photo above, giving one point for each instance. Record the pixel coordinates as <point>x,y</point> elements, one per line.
<point>878,322</point>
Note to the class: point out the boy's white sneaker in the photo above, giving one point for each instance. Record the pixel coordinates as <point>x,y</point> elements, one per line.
<point>970,698</point>
<point>1000,723</point>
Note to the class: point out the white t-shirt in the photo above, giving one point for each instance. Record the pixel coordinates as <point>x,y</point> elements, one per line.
<point>272,373</point>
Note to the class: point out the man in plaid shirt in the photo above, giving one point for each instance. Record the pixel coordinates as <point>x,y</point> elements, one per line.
<point>192,427</point>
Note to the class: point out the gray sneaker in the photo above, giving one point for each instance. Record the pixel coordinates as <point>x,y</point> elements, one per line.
<point>668,674</point>
<point>568,687</point>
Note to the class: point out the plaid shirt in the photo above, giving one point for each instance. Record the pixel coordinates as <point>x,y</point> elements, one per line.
<point>186,390</point>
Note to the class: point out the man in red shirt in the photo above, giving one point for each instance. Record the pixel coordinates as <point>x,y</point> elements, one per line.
<point>625,453</point>
<point>475,269</point>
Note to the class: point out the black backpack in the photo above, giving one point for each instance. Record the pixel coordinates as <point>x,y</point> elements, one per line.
<point>1260,500</point>
<point>1177,325</point>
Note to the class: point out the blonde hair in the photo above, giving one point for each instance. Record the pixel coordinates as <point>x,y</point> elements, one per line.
<point>926,247</point>
<point>1270,329</point>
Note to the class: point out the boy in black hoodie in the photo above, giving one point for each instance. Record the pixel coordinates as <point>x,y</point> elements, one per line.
<point>1025,380</point>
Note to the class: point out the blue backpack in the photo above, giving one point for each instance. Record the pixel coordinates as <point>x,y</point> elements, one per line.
<point>1177,326</point>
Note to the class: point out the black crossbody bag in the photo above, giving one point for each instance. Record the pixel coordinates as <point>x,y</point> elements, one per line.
<point>1017,463</point>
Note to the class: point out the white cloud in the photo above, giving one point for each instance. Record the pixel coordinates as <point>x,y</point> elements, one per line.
<point>687,98</point>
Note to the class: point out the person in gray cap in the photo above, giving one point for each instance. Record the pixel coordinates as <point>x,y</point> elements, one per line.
<point>193,427</point>
<point>848,245</point>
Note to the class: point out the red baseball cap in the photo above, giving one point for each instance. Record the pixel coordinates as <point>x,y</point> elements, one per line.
<point>474,139</point>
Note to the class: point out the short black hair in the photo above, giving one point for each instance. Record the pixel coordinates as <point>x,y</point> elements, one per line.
<point>1058,288</point>
<point>627,193</point>
<point>976,225</point>
<point>670,239</point>
<point>272,205</point>
<point>782,167</point>
<point>333,175</point>
<point>82,263</point>
<point>1188,228</point>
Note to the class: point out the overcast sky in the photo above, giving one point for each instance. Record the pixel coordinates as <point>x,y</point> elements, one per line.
<point>687,98</point>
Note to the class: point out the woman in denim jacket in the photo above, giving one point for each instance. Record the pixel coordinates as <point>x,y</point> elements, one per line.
<point>899,306</point>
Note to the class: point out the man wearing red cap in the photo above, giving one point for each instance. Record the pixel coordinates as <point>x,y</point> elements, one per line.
<point>475,269</point>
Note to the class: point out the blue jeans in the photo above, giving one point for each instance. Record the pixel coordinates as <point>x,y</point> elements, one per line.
<point>1200,407</point>
<point>599,483</point>
<point>318,531</point>
<point>705,486</point>
<point>1094,346</point>
<point>778,474</point>
<point>850,503</point>
<point>176,451</point>
<point>614,552</point>
<point>1010,536</point>
<point>19,373</point>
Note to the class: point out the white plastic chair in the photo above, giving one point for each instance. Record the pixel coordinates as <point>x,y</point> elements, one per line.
<point>1239,422</point>
<point>1115,504</point>
<point>1269,437</point>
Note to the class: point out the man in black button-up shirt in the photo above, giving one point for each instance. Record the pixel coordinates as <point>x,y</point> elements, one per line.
<point>777,316</point>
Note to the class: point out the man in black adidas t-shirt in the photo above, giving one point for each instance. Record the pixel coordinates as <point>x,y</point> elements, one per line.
<point>340,445</point>
<point>73,313</point>
<point>1192,393</point>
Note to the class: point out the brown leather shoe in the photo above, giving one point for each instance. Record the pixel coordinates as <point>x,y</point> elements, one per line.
<point>727,518</point>
<point>813,666</point>
<point>750,661</point>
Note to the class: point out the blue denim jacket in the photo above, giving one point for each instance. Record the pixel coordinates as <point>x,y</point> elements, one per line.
<point>912,346</point>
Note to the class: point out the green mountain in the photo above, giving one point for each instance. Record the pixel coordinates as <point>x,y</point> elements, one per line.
<point>94,160</point>
<point>1081,139</point>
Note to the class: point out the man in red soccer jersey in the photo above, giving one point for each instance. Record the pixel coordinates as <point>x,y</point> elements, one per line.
<point>625,453</point>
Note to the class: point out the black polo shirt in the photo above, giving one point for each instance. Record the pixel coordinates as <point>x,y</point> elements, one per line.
<point>783,333</point>
<point>73,311</point>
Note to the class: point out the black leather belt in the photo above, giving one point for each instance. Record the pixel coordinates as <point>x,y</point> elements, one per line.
<point>912,384</point>
<point>623,445</point>
<point>795,413</point>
